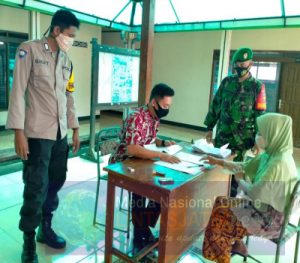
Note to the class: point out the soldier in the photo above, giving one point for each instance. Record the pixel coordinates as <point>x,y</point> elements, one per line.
<point>239,100</point>
<point>41,109</point>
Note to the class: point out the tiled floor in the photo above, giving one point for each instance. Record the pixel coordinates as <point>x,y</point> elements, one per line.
<point>73,219</point>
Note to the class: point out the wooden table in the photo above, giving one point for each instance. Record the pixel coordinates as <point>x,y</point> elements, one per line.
<point>185,205</point>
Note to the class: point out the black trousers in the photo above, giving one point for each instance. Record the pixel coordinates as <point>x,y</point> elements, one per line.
<point>143,216</point>
<point>44,174</point>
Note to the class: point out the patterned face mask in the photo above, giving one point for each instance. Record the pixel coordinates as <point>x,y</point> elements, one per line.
<point>64,42</point>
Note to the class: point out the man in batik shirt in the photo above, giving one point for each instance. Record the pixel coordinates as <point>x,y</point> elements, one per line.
<point>139,129</point>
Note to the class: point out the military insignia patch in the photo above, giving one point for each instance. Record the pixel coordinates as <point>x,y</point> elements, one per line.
<point>22,53</point>
<point>245,55</point>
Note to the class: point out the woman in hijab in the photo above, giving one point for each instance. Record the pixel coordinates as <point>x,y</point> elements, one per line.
<point>267,182</point>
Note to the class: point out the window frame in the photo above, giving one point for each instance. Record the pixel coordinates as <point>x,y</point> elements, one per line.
<point>9,38</point>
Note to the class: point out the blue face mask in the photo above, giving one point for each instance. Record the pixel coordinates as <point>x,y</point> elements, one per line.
<point>161,112</point>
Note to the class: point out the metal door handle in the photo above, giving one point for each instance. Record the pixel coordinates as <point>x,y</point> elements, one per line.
<point>279,104</point>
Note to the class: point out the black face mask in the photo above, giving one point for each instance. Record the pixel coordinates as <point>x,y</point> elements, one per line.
<point>241,72</point>
<point>160,112</point>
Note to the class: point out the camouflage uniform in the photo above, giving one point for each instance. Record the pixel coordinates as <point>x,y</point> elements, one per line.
<point>235,107</point>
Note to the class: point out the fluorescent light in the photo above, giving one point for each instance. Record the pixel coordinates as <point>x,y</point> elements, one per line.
<point>1,43</point>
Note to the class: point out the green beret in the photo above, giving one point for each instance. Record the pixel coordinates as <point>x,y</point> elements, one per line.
<point>242,54</point>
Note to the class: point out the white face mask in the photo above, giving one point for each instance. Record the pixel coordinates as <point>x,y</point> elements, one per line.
<point>64,42</point>
<point>260,142</point>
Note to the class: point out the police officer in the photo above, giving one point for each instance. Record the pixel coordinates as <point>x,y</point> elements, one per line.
<point>239,100</point>
<point>41,109</point>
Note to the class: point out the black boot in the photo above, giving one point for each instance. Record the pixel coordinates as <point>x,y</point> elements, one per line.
<point>29,249</point>
<point>47,236</point>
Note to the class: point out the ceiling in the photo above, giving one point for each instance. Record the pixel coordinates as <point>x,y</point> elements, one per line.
<point>176,15</point>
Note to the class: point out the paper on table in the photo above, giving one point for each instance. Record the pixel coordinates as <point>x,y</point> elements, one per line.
<point>202,146</point>
<point>225,146</point>
<point>183,166</point>
<point>191,158</point>
<point>169,149</point>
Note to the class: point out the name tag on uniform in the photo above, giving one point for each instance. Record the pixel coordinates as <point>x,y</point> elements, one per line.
<point>40,61</point>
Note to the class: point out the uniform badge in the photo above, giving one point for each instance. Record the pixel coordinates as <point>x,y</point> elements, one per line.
<point>22,53</point>
<point>245,55</point>
<point>46,46</point>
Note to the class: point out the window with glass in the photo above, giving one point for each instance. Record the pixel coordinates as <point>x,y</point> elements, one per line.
<point>9,43</point>
<point>3,89</point>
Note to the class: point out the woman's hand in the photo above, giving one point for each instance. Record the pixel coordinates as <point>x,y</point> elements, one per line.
<point>213,161</point>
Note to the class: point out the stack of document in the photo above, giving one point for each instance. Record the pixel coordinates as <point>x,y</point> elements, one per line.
<point>173,149</point>
<point>191,158</point>
<point>183,166</point>
<point>190,163</point>
<point>201,146</point>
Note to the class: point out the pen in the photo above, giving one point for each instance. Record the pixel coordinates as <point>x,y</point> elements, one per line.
<point>198,165</point>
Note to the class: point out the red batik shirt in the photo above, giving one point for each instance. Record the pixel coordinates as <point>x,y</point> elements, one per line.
<point>140,128</point>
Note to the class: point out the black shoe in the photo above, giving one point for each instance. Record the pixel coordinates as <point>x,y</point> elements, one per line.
<point>143,235</point>
<point>142,238</point>
<point>29,249</point>
<point>47,236</point>
<point>138,245</point>
<point>148,236</point>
